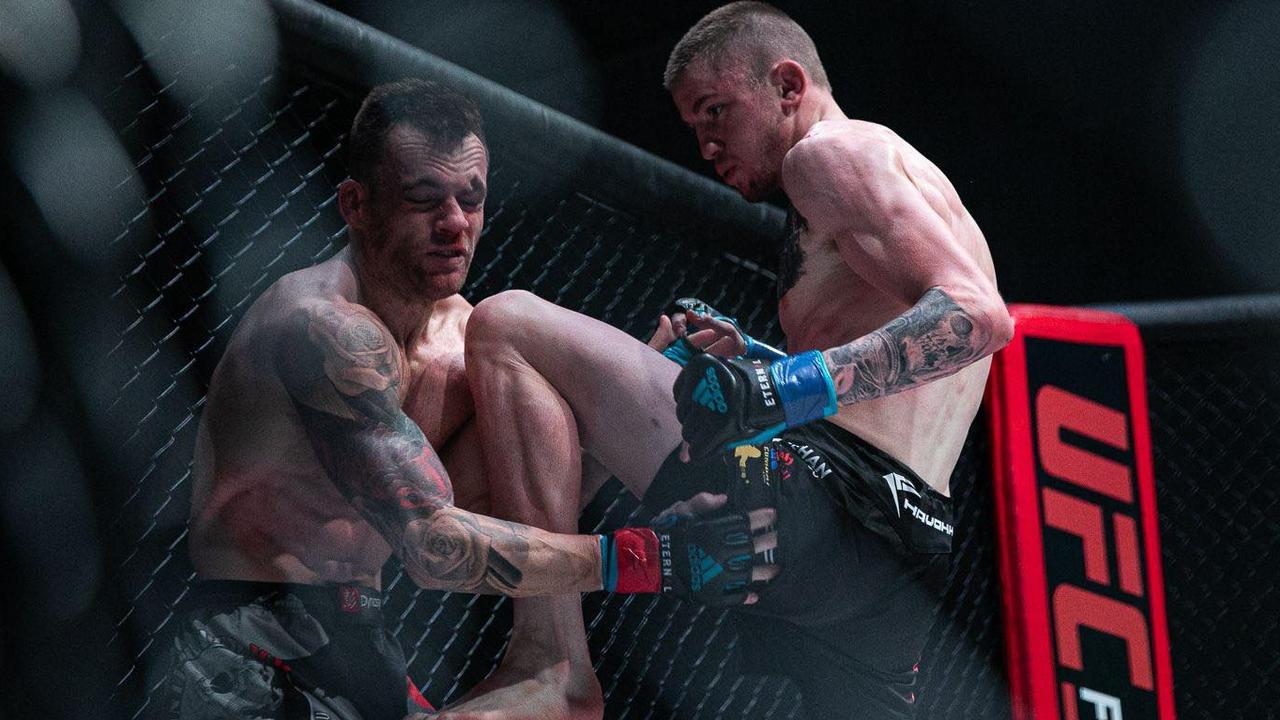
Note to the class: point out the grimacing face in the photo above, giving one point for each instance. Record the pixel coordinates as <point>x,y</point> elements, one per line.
<point>427,214</point>
<point>738,124</point>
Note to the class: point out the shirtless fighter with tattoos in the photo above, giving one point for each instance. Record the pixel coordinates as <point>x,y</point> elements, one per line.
<point>888,299</point>
<point>341,427</point>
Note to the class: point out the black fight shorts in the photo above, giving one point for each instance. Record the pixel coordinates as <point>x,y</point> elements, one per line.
<point>864,546</point>
<point>273,650</point>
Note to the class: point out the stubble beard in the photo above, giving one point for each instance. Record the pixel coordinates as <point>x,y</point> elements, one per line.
<point>397,275</point>
<point>765,182</point>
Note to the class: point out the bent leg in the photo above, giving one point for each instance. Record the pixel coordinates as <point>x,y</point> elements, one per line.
<point>618,388</point>
<point>549,383</point>
<point>463,458</point>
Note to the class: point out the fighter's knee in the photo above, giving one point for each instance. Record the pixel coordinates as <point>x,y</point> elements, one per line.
<point>502,317</point>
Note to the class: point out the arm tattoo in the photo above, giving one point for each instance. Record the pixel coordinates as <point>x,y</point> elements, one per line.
<point>343,371</point>
<point>933,339</point>
<point>457,547</point>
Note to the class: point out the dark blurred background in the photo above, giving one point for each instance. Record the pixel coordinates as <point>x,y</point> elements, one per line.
<point>1110,151</point>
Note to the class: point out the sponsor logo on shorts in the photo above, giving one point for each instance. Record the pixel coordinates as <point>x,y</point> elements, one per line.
<point>817,464</point>
<point>756,463</point>
<point>927,519</point>
<point>744,454</point>
<point>351,600</point>
<point>781,463</point>
<point>899,484</point>
<point>708,394</point>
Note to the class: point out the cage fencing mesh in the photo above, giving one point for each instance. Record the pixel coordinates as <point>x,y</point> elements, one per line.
<point>1215,431</point>
<point>235,199</point>
<point>233,205</point>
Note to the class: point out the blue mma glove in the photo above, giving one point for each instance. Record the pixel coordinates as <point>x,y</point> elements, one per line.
<point>726,402</point>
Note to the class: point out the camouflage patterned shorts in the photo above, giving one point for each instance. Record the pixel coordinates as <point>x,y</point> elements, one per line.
<point>268,650</point>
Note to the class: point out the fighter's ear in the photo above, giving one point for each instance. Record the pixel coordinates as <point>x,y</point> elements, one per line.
<point>790,81</point>
<point>353,197</point>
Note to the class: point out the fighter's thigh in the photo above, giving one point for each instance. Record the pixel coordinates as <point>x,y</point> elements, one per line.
<point>463,459</point>
<point>618,388</point>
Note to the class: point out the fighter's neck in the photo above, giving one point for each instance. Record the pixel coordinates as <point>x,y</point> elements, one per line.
<point>823,110</point>
<point>406,317</point>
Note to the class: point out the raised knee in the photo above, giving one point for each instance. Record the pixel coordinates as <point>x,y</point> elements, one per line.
<point>502,318</point>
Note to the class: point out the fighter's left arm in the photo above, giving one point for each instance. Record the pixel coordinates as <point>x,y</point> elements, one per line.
<point>895,231</point>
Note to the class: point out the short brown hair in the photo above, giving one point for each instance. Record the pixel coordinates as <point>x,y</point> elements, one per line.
<point>443,114</point>
<point>755,33</point>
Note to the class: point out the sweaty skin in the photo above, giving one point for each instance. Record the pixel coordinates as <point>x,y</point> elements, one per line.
<point>883,269</point>
<point>339,426</point>
<point>879,228</point>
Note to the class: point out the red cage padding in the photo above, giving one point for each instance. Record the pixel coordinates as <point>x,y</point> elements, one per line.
<point>1085,625</point>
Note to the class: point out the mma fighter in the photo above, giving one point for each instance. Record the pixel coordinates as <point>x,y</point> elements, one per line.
<point>340,428</point>
<point>887,296</point>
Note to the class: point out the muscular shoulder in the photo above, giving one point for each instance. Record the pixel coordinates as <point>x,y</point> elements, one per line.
<point>843,173</point>
<point>839,150</point>
<point>340,340</point>
<point>282,300</point>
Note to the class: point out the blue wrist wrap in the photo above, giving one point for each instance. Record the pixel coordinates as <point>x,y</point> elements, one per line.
<point>805,387</point>
<point>608,564</point>
<point>680,351</point>
<point>760,351</point>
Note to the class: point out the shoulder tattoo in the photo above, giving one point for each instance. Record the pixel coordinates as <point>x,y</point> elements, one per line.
<point>359,354</point>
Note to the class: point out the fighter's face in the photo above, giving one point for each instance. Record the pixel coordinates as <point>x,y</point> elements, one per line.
<point>426,214</point>
<point>739,124</point>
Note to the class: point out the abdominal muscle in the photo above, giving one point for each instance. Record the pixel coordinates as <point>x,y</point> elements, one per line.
<point>925,427</point>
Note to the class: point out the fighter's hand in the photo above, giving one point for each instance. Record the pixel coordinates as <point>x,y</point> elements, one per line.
<point>695,549</point>
<point>716,332</point>
<point>716,335</point>
<point>761,521</point>
<point>670,328</point>
<point>725,402</point>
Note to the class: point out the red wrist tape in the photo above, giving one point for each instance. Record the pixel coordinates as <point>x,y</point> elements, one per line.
<point>639,567</point>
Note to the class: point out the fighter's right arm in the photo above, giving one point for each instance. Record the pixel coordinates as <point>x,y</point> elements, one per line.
<point>343,372</point>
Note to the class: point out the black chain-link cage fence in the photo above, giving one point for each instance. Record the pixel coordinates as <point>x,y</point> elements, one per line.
<point>230,183</point>
<point>1213,385</point>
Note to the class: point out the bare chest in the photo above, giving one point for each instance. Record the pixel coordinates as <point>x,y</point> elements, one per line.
<point>821,301</point>
<point>438,397</point>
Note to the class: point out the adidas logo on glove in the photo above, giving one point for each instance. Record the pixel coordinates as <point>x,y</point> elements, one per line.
<point>702,568</point>
<point>708,394</point>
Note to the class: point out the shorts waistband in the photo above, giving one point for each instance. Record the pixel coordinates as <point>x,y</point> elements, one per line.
<point>853,443</point>
<point>353,602</point>
<point>874,487</point>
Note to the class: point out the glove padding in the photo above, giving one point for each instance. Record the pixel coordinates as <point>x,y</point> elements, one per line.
<point>726,402</point>
<point>710,557</point>
<point>707,559</point>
